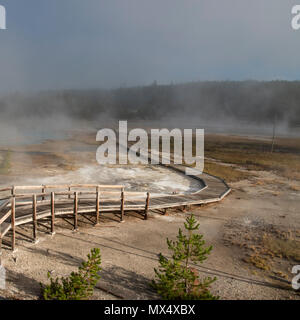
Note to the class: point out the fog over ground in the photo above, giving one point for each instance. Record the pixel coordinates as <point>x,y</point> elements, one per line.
<point>248,107</point>
<point>64,63</point>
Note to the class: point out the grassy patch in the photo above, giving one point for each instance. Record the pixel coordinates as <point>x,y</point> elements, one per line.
<point>258,261</point>
<point>229,174</point>
<point>255,155</point>
<point>271,249</point>
<point>286,248</point>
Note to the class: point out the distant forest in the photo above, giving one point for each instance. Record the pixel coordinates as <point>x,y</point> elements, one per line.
<point>252,101</point>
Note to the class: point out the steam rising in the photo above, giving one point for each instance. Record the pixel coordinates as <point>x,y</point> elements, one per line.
<point>237,107</point>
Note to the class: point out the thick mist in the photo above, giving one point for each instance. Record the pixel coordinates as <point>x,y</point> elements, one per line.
<point>249,107</point>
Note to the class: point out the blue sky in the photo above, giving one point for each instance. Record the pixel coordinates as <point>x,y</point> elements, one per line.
<point>55,44</point>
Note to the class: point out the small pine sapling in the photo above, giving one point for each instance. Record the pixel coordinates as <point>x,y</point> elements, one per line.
<point>79,285</point>
<point>176,279</point>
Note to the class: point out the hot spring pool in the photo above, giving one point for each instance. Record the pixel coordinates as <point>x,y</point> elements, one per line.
<point>155,179</point>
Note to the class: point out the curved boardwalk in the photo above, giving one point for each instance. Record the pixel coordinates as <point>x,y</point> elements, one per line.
<point>30,204</point>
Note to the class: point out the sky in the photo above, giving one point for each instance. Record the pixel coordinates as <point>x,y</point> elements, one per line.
<point>80,44</point>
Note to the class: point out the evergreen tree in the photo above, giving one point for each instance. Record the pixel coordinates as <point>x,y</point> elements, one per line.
<point>79,285</point>
<point>176,279</point>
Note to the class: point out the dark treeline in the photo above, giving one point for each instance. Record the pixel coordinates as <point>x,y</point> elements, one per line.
<point>252,101</point>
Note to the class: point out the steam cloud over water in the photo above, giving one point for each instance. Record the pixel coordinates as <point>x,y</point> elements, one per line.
<point>155,179</point>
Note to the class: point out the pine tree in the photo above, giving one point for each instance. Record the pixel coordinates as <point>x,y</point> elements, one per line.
<point>176,279</point>
<point>79,285</point>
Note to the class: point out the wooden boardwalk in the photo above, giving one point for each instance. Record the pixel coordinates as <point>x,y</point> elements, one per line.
<point>29,204</point>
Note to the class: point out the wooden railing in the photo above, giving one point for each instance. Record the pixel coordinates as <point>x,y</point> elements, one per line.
<point>28,199</point>
<point>29,204</point>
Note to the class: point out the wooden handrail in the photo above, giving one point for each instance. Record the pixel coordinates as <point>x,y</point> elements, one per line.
<point>5,198</point>
<point>7,215</point>
<point>6,189</point>
<point>83,186</point>
<point>33,197</point>
<point>28,187</point>
<point>63,186</point>
<point>52,203</point>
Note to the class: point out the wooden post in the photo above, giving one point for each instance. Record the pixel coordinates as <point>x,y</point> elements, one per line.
<point>122,204</point>
<point>13,223</point>
<point>13,190</point>
<point>43,191</point>
<point>34,220</point>
<point>75,210</point>
<point>184,208</point>
<point>97,205</point>
<point>69,189</point>
<point>0,247</point>
<point>147,206</point>
<point>52,213</point>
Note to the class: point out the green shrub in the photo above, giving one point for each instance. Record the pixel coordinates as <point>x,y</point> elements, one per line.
<point>176,279</point>
<point>79,285</point>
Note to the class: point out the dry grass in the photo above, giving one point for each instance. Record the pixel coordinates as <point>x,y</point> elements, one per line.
<point>68,167</point>
<point>271,246</point>
<point>271,249</point>
<point>276,193</point>
<point>258,261</point>
<point>287,248</point>
<point>255,154</point>
<point>229,174</point>
<point>295,188</point>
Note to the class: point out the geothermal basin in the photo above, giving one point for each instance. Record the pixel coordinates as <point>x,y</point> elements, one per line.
<point>154,179</point>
